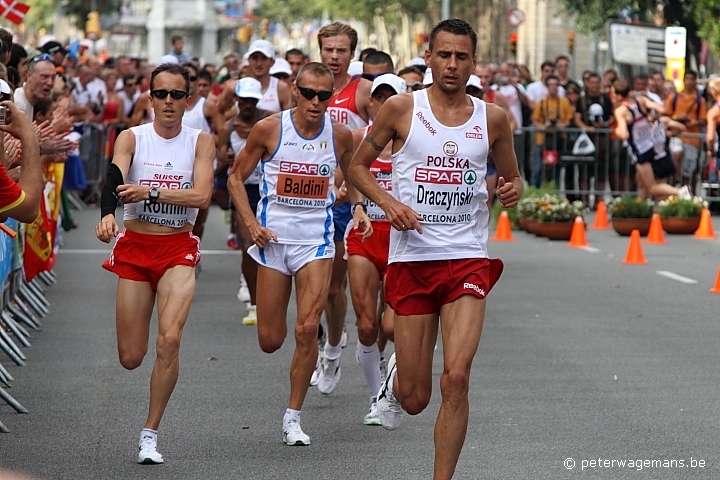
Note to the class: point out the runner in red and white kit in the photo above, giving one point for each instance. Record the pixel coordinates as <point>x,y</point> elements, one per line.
<point>367,245</point>
<point>439,272</point>
<point>350,106</point>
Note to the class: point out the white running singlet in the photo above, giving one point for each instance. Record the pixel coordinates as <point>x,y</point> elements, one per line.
<point>382,171</point>
<point>164,164</point>
<point>195,117</point>
<point>237,145</point>
<point>296,188</point>
<point>440,173</point>
<point>270,102</point>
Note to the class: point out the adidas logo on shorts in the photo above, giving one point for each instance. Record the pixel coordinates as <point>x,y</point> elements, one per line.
<point>472,286</point>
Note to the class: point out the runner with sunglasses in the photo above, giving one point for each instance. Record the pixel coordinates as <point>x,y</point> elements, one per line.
<point>163,173</point>
<point>293,230</point>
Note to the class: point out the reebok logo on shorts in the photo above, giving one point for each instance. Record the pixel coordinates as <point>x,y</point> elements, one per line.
<point>472,286</point>
<point>190,257</point>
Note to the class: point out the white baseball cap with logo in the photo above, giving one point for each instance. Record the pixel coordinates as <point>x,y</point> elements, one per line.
<point>165,59</point>
<point>248,87</point>
<point>355,68</point>
<point>262,46</point>
<point>392,81</point>
<point>417,62</point>
<point>281,66</point>
<point>474,81</point>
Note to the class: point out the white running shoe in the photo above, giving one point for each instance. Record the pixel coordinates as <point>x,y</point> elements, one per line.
<point>329,376</point>
<point>318,369</point>
<point>372,417</point>
<point>148,454</point>
<point>293,434</point>
<point>383,369</point>
<point>251,317</point>
<point>388,407</point>
<point>344,338</point>
<point>243,292</point>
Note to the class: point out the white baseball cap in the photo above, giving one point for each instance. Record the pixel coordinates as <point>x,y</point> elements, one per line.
<point>428,80</point>
<point>262,46</point>
<point>393,81</point>
<point>281,66</point>
<point>4,87</point>
<point>416,62</point>
<point>474,81</point>
<point>168,59</point>
<point>355,68</point>
<point>248,87</point>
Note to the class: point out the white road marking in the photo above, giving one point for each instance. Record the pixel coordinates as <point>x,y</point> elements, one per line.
<point>676,277</point>
<point>590,249</point>
<point>107,252</point>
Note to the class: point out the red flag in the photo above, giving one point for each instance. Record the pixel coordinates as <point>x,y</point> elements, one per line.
<point>13,10</point>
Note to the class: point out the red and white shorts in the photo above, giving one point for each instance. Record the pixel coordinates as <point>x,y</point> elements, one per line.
<point>421,288</point>
<point>375,248</point>
<point>146,258</point>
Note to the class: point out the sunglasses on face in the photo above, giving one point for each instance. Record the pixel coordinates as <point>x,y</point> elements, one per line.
<point>415,85</point>
<point>130,85</point>
<point>175,94</point>
<point>309,93</point>
<point>43,57</point>
<point>371,76</point>
<point>193,78</point>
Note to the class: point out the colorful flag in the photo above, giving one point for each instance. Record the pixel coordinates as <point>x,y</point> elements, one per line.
<point>13,10</point>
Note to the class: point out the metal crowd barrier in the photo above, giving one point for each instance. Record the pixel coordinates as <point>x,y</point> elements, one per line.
<point>96,154</point>
<point>608,170</point>
<point>22,304</point>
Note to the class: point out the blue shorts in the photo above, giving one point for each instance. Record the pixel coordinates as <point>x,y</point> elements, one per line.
<point>342,214</point>
<point>253,193</point>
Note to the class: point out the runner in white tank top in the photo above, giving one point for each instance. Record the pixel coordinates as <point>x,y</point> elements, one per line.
<point>270,102</point>
<point>163,173</point>
<point>195,117</point>
<point>298,150</point>
<point>439,273</point>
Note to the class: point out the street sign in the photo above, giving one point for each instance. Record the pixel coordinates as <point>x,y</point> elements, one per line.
<point>515,17</point>
<point>675,71</point>
<point>675,40</point>
<point>637,45</point>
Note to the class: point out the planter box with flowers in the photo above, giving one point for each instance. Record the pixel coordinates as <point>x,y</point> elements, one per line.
<point>558,216</point>
<point>530,206</point>
<point>631,213</point>
<point>681,215</point>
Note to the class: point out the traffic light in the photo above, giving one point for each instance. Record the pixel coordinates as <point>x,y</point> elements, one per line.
<point>571,42</point>
<point>92,26</point>
<point>513,43</point>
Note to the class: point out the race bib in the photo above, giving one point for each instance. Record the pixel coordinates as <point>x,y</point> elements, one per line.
<point>444,196</point>
<point>161,213</point>
<point>384,180</point>
<point>303,184</point>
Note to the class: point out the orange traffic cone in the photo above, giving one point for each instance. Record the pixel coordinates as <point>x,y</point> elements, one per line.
<point>716,288</point>
<point>634,253</point>
<point>705,230</point>
<point>656,235</point>
<point>601,221</point>
<point>577,238</point>
<point>502,232</point>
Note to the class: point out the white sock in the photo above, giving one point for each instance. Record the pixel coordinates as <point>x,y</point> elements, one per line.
<point>370,362</point>
<point>147,431</point>
<point>291,414</point>
<point>331,353</point>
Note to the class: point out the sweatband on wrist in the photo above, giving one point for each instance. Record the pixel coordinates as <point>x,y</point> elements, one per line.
<point>109,198</point>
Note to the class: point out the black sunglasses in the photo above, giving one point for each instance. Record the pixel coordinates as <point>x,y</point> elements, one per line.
<point>193,78</point>
<point>43,57</point>
<point>309,93</point>
<point>415,85</point>
<point>175,94</point>
<point>371,76</point>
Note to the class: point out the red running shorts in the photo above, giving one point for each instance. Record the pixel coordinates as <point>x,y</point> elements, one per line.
<point>146,258</point>
<point>421,288</point>
<point>375,248</point>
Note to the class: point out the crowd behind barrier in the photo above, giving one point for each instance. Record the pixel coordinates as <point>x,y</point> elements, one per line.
<point>602,165</point>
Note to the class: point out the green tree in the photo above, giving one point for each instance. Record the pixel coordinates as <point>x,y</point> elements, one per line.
<point>81,8</point>
<point>41,14</point>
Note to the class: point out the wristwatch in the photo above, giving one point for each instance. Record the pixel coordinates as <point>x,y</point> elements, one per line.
<point>154,195</point>
<point>361,204</point>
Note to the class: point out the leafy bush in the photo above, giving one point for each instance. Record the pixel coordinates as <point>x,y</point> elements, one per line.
<point>561,210</point>
<point>631,206</point>
<point>681,207</point>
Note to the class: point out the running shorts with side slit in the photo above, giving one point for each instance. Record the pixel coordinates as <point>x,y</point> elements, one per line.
<point>146,258</point>
<point>375,248</point>
<point>289,259</point>
<point>421,288</point>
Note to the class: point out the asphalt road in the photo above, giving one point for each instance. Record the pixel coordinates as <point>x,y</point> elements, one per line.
<point>582,358</point>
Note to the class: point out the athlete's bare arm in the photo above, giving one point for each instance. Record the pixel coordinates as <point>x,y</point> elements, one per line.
<point>621,117</point>
<point>212,111</point>
<point>360,218</point>
<point>141,111</point>
<point>227,96</point>
<point>284,95</point>
<point>196,197</point>
<point>712,124</point>
<point>362,99</point>
<point>510,185</point>
<point>222,140</point>
<point>648,105</point>
<point>392,123</point>
<point>262,140</point>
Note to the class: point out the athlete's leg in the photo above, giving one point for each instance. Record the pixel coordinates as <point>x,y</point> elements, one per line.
<point>415,338</point>
<point>364,285</point>
<point>274,290</point>
<point>175,292</point>
<point>388,319</point>
<point>337,298</point>
<point>311,285</point>
<point>133,309</point>
<point>199,227</point>
<point>249,265</point>
<point>461,323</point>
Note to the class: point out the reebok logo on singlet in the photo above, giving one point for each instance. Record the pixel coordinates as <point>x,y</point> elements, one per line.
<point>426,122</point>
<point>472,286</point>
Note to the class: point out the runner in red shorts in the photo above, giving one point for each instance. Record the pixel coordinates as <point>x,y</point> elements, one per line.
<point>439,272</point>
<point>367,250</point>
<point>163,173</point>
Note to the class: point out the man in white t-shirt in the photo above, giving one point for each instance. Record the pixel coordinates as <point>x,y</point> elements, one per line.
<point>38,85</point>
<point>537,90</point>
